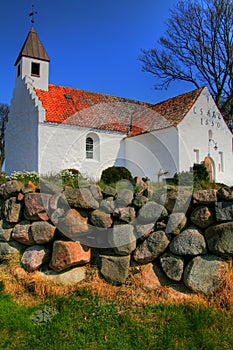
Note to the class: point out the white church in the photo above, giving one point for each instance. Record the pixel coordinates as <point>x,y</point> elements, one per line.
<point>52,128</point>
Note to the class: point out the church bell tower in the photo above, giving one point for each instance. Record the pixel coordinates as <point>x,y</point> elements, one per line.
<point>32,62</point>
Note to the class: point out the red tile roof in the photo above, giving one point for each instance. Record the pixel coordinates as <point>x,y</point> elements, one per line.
<point>101,111</point>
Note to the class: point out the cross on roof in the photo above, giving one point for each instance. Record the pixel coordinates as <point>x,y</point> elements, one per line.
<point>32,14</point>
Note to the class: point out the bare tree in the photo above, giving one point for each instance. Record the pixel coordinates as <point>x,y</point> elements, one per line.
<point>4,111</point>
<point>197,47</point>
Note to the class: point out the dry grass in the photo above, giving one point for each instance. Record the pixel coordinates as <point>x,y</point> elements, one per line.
<point>30,289</point>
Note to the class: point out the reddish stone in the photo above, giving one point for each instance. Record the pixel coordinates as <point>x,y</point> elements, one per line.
<point>29,187</point>
<point>35,205</point>
<point>22,233</point>
<point>67,254</point>
<point>72,224</point>
<point>101,219</point>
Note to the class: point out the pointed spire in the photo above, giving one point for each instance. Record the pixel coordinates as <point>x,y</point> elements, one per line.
<point>33,48</point>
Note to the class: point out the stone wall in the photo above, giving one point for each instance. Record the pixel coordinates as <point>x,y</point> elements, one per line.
<point>184,237</point>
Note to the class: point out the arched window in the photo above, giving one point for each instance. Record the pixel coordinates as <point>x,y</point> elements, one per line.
<point>89,148</point>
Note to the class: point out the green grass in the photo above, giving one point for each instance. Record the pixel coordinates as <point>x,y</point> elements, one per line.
<point>85,322</point>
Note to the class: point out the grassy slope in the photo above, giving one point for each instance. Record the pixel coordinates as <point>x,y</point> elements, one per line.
<point>86,322</point>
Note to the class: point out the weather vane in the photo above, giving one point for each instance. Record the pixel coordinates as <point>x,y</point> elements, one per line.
<point>32,14</point>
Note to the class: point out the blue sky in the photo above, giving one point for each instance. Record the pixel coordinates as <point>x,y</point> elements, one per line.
<point>93,44</point>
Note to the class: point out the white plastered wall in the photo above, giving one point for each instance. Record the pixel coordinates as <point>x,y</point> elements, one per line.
<point>64,147</point>
<point>153,153</point>
<point>22,130</point>
<point>202,121</point>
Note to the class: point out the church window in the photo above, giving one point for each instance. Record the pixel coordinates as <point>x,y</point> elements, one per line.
<point>35,69</point>
<point>220,162</point>
<point>89,148</point>
<point>196,156</point>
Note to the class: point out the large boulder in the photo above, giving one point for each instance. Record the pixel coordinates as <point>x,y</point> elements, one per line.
<point>6,229</point>
<point>11,188</point>
<point>220,238</point>
<point>22,233</point>
<point>108,205</point>
<point>124,197</point>
<point>34,257</point>
<point>205,273</point>
<point>122,239</point>
<point>114,268</point>
<point>74,275</point>
<point>12,210</point>
<point>172,265</point>
<point>151,212</point>
<point>151,277</point>
<point>36,206</point>
<point>225,193</point>
<point>42,232</point>
<point>176,200</point>
<point>101,219</point>
<point>224,211</point>
<point>126,214</point>
<point>202,216</point>
<point>205,197</point>
<point>151,247</point>
<point>67,254</point>
<point>72,224</point>
<point>189,242</point>
<point>176,223</point>
<point>81,198</point>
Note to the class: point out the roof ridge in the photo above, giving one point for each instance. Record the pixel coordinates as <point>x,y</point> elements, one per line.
<point>180,95</point>
<point>104,94</point>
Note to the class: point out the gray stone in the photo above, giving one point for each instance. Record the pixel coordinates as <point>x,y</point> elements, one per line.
<point>22,233</point>
<point>42,232</point>
<point>173,266</point>
<point>225,193</point>
<point>205,196</point>
<point>12,210</point>
<point>122,239</point>
<point>205,273</point>
<point>96,192</point>
<point>114,268</point>
<point>176,223</point>
<point>80,198</point>
<point>101,219</point>
<point>10,248</point>
<point>109,191</point>
<point>224,211</point>
<point>151,212</point>
<point>143,231</point>
<point>107,205</point>
<point>34,257</point>
<point>124,197</point>
<point>189,242</point>
<point>176,200</point>
<point>6,229</point>
<point>139,200</point>
<point>152,247</point>
<point>202,216</point>
<point>72,276</point>
<point>220,238</point>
